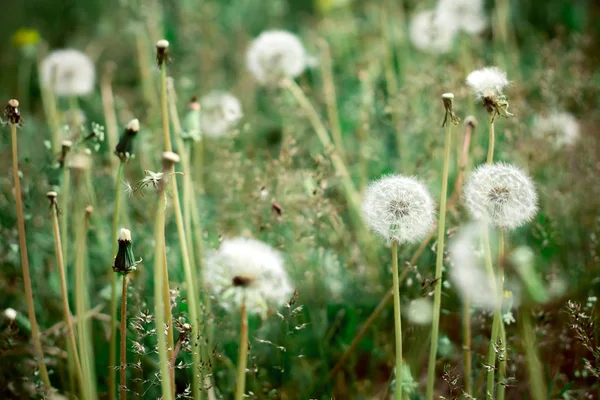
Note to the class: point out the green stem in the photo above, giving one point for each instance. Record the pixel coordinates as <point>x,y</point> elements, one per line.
<point>35,333</point>
<point>159,306</point>
<point>537,386</point>
<point>243,353</point>
<point>497,314</point>
<point>72,347</point>
<point>330,97</point>
<point>504,351</point>
<point>437,297</point>
<point>490,155</point>
<point>467,356</point>
<point>64,217</point>
<point>164,107</point>
<point>123,347</point>
<point>112,358</point>
<point>397,321</point>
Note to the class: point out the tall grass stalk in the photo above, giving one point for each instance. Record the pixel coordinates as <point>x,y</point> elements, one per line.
<point>330,97</point>
<point>35,333</point>
<point>112,358</point>
<point>243,353</point>
<point>108,104</point>
<point>437,298</point>
<point>82,303</point>
<point>537,386</point>
<point>123,345</point>
<point>72,343</point>
<point>159,305</point>
<point>50,109</point>
<point>397,321</point>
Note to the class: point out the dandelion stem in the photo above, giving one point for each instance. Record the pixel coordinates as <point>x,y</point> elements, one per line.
<point>437,298</point>
<point>113,286</point>
<point>502,362</point>
<point>537,386</point>
<point>497,317</point>
<point>490,155</point>
<point>467,345</point>
<point>65,298</point>
<point>123,349</point>
<point>397,321</point>
<point>64,217</point>
<point>159,306</point>
<point>164,108</point>
<point>35,333</point>
<point>243,354</point>
<point>108,104</point>
<point>330,97</point>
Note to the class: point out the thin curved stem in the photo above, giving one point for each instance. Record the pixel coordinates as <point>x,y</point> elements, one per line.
<point>397,321</point>
<point>123,347</point>
<point>437,297</point>
<point>35,332</point>
<point>491,367</point>
<point>492,139</point>
<point>65,298</point>
<point>503,344</point>
<point>243,353</point>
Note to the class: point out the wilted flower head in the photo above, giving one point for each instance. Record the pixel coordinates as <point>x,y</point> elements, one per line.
<point>560,127</point>
<point>488,85</point>
<point>220,111</point>
<point>468,273</point>
<point>466,14</point>
<point>429,32</point>
<point>399,208</point>
<point>247,269</point>
<point>124,148</point>
<point>68,73</point>
<point>275,55</point>
<point>501,194</point>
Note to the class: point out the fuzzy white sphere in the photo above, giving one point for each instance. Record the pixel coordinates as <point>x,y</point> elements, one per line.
<point>428,32</point>
<point>254,262</point>
<point>274,55</point>
<point>562,128</point>
<point>10,313</point>
<point>420,311</point>
<point>468,15</point>
<point>487,82</point>
<point>501,194</point>
<point>220,112</point>
<point>68,73</point>
<point>399,208</point>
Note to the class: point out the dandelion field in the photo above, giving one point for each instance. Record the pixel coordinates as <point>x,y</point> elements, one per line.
<point>296,200</point>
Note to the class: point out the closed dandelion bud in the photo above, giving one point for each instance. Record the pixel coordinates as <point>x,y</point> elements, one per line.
<point>487,85</point>
<point>247,270</point>
<point>124,148</point>
<point>502,195</point>
<point>12,113</point>
<point>162,52</point>
<point>64,152</point>
<point>125,261</point>
<point>399,208</point>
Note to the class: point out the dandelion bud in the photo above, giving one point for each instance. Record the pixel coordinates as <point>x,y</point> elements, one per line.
<point>12,113</point>
<point>487,85</point>
<point>502,195</point>
<point>10,314</point>
<point>447,99</point>
<point>124,149</point>
<point>124,260</point>
<point>51,195</point>
<point>162,52</point>
<point>471,121</point>
<point>399,208</point>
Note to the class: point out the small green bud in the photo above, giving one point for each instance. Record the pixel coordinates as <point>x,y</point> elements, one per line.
<point>125,261</point>
<point>124,149</point>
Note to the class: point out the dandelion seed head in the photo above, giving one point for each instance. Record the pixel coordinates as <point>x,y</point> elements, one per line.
<point>468,15</point>
<point>562,128</point>
<point>428,32</point>
<point>501,194</point>
<point>420,311</point>
<point>68,72</point>
<point>275,55</point>
<point>488,82</point>
<point>220,112</point>
<point>10,313</point>
<point>248,268</point>
<point>399,208</point>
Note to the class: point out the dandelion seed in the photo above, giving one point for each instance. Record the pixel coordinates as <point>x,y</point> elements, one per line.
<point>275,55</point>
<point>467,15</point>
<point>68,73</point>
<point>501,194</point>
<point>428,32</point>
<point>221,111</point>
<point>561,128</point>
<point>399,208</point>
<point>247,268</point>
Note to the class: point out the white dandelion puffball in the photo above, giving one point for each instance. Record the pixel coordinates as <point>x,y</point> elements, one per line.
<point>68,73</point>
<point>10,313</point>
<point>399,208</point>
<point>501,194</point>
<point>560,127</point>
<point>247,268</point>
<point>420,311</point>
<point>275,55</point>
<point>487,82</point>
<point>220,112</point>
<point>468,15</point>
<point>428,32</point>
<point>468,273</point>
